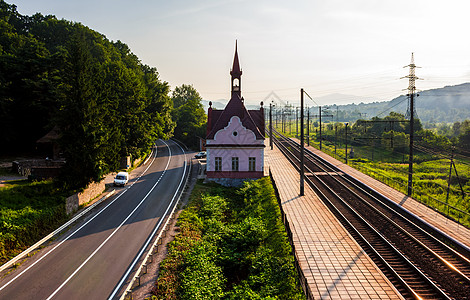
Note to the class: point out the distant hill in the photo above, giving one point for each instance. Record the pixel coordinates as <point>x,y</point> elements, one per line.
<point>443,105</point>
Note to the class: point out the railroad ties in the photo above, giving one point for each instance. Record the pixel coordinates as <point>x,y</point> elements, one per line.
<point>419,260</point>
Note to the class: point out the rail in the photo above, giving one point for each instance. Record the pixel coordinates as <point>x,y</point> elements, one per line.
<point>431,285</point>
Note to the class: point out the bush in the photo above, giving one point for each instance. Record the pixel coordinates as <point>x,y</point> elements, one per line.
<point>201,278</point>
<point>232,245</point>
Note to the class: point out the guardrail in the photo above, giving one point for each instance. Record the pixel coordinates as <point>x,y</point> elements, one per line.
<point>302,279</point>
<point>148,259</point>
<point>23,254</point>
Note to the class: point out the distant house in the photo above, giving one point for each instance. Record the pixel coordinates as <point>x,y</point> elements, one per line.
<point>235,138</point>
<point>49,145</point>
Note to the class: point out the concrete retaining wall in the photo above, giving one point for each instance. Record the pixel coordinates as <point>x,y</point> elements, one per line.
<point>92,191</point>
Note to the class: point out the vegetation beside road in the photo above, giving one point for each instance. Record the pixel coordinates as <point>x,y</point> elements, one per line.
<point>102,103</point>
<point>28,212</point>
<point>232,245</point>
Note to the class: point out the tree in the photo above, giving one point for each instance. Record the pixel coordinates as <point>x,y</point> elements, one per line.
<point>105,102</point>
<point>188,114</point>
<point>464,137</point>
<point>81,140</point>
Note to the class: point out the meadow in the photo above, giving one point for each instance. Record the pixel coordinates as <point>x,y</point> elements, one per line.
<point>430,174</point>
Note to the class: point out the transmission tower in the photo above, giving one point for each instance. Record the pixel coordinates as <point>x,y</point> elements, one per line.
<point>411,88</point>
<point>411,115</point>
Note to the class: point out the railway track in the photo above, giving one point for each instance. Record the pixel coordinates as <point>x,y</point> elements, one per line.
<point>420,262</point>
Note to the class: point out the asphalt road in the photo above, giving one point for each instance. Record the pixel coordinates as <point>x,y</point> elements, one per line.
<point>90,260</point>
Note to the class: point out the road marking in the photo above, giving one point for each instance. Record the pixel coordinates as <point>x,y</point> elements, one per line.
<point>73,233</point>
<point>115,230</point>
<point>131,267</point>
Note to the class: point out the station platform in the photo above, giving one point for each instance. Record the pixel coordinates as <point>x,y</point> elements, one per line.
<point>450,227</point>
<point>334,265</point>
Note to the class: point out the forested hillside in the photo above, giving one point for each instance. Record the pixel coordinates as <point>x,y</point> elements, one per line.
<point>444,105</point>
<point>105,103</point>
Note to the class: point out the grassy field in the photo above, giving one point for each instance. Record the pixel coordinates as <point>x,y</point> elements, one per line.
<point>232,245</point>
<point>430,175</point>
<point>28,212</point>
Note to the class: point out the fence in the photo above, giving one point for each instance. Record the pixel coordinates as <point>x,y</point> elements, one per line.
<point>437,205</point>
<point>302,280</point>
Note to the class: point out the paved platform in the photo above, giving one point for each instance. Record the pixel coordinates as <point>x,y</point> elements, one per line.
<point>454,229</point>
<point>334,265</point>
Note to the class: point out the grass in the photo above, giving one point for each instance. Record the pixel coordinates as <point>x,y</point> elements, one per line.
<point>28,211</point>
<point>430,175</point>
<point>7,172</point>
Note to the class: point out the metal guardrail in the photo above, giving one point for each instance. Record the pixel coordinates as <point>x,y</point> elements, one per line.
<point>142,269</point>
<point>23,254</point>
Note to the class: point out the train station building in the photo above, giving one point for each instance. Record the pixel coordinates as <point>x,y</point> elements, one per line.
<point>235,138</point>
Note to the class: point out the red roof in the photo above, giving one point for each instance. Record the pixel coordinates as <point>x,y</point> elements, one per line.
<point>235,107</point>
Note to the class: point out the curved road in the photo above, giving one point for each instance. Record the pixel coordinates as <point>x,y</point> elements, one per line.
<point>91,260</point>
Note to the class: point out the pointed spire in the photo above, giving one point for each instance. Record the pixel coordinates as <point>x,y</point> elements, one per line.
<point>236,64</point>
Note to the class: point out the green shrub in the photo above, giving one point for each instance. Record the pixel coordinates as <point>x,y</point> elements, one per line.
<point>232,246</point>
<point>201,278</point>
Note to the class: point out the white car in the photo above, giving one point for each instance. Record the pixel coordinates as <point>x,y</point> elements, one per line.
<point>201,154</point>
<point>121,179</point>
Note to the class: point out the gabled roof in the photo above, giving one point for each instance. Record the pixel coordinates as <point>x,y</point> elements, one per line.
<point>258,118</point>
<point>51,136</point>
<point>235,107</point>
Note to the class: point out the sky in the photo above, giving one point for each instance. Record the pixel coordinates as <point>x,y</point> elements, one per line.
<point>350,47</point>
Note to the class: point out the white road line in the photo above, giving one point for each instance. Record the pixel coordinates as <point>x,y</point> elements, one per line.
<point>115,230</point>
<point>131,267</point>
<point>73,233</point>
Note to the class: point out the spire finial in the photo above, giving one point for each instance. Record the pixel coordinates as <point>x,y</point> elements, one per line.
<point>236,64</point>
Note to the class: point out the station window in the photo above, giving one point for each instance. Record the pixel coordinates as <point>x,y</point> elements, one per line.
<point>218,164</point>
<point>252,164</point>
<point>234,163</point>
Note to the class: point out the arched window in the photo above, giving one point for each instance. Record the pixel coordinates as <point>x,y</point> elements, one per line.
<point>236,84</point>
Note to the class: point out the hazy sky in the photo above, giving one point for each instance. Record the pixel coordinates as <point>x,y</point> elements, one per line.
<point>356,47</point>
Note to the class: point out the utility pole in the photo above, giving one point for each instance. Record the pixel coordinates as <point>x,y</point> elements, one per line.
<point>336,137</point>
<point>271,125</point>
<point>297,121</point>
<point>308,126</point>
<point>301,142</point>
<point>411,93</point>
<point>346,132</point>
<point>319,114</point>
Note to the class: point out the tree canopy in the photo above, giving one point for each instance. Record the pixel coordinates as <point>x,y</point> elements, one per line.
<point>104,101</point>
<point>189,115</point>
